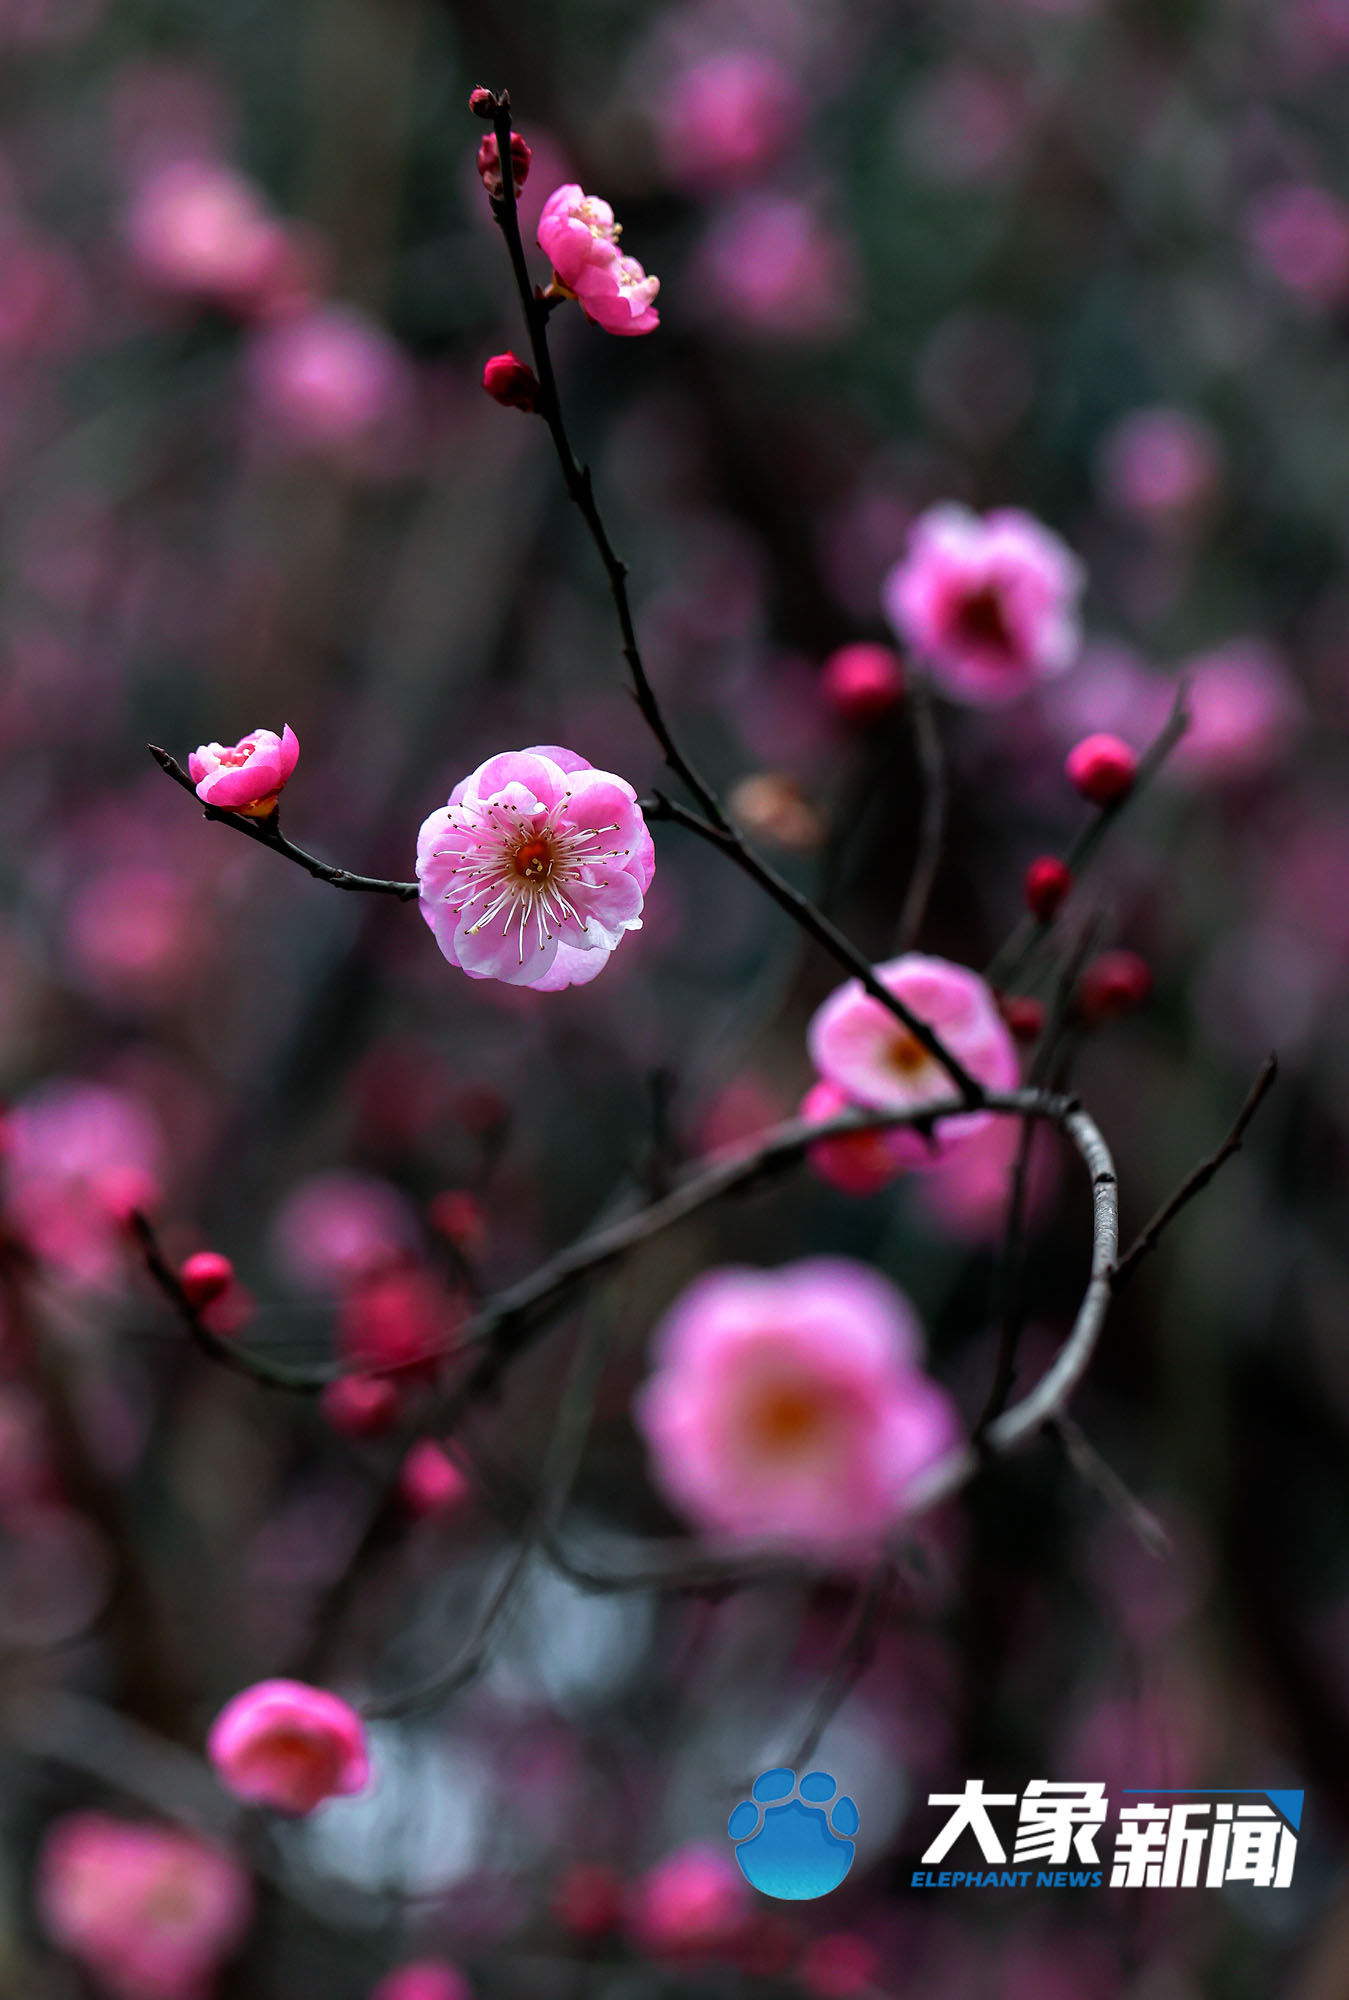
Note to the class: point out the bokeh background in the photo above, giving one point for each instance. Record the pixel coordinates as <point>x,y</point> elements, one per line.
<point>1088,257</point>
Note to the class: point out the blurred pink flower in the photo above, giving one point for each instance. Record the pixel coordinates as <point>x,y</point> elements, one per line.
<point>360,1405</point>
<point>78,1157</point>
<point>1300,232</point>
<point>398,1317</point>
<point>199,228</point>
<point>430,1483</point>
<point>863,681</point>
<point>336,1227</point>
<point>769,265</point>
<point>1159,464</point>
<point>860,1162</point>
<point>519,881</point>
<point>727,118</point>
<point>990,605</point>
<point>44,300</point>
<point>139,932</point>
<point>578,235</point>
<point>1246,712</point>
<point>247,776</point>
<point>864,1051</point>
<point>151,1912</point>
<point>694,1903</point>
<point>838,1966</point>
<point>789,1408</point>
<point>290,1746</point>
<point>428,1979</point>
<point>965,1196</point>
<point>330,380</point>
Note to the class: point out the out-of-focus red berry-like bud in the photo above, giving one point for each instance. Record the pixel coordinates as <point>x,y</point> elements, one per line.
<point>482,102</point>
<point>1047,883</point>
<point>430,1483</point>
<point>1114,984</point>
<point>205,1276</point>
<point>359,1405</point>
<point>459,1217</point>
<point>588,1899</point>
<point>512,382</point>
<point>1102,769</point>
<point>1024,1015</point>
<point>489,163</point>
<point>863,681</point>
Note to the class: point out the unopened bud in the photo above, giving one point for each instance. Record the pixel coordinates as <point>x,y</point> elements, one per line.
<point>1112,985</point>
<point>1024,1015</point>
<point>863,682</point>
<point>489,164</point>
<point>204,1277</point>
<point>1102,769</point>
<point>359,1405</point>
<point>511,381</point>
<point>482,102</point>
<point>1047,883</point>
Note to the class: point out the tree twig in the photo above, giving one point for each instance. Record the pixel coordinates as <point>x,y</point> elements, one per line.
<point>1102,1477</point>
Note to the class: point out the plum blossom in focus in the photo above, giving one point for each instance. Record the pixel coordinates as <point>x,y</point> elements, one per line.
<point>788,1408</point>
<point>579,236</point>
<point>247,776</point>
<point>78,1158</point>
<point>691,1904</point>
<point>869,1056</point>
<point>989,604</point>
<point>535,869</point>
<point>150,1911</point>
<point>290,1746</point>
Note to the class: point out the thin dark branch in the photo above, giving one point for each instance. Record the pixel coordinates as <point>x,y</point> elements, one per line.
<point>1102,1477</point>
<point>932,822</point>
<point>267,833</point>
<point>1196,1181</point>
<point>857,1650</point>
<point>1010,960</point>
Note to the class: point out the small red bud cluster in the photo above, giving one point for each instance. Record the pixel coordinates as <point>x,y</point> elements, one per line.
<point>489,164</point>
<point>512,382</point>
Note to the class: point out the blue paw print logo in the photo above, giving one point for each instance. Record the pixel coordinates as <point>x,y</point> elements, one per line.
<point>790,1841</point>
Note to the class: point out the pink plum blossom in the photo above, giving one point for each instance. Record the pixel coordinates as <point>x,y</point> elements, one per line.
<point>788,1408</point>
<point>397,1317</point>
<point>989,604</point>
<point>198,228</point>
<point>692,1904</point>
<point>579,236</point>
<point>725,119</point>
<point>426,1979</point>
<point>1245,710</point>
<point>535,869</point>
<point>773,267</point>
<point>77,1158</point>
<point>336,1228</point>
<point>290,1746</point>
<point>150,1911</point>
<point>965,1196</point>
<point>868,1055</point>
<point>1159,464</point>
<point>331,381</point>
<point>247,776</point>
<point>856,1162</point>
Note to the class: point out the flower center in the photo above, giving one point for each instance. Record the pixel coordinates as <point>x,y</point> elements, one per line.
<point>534,860</point>
<point>239,755</point>
<point>787,1419</point>
<point>907,1054</point>
<point>982,621</point>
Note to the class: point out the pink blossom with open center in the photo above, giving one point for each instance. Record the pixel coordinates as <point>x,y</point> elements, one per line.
<point>579,236</point>
<point>535,869</point>
<point>150,1911</point>
<point>247,776</point>
<point>989,603</point>
<point>861,1048</point>
<point>288,1745</point>
<point>788,1408</point>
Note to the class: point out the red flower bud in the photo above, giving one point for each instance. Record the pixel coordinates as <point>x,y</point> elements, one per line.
<point>1102,769</point>
<point>1024,1015</point>
<point>359,1405</point>
<point>863,681</point>
<point>459,1217</point>
<point>482,102</point>
<point>510,381</point>
<point>205,1276</point>
<point>1114,984</point>
<point>489,164</point>
<point>1047,883</point>
<point>588,1899</point>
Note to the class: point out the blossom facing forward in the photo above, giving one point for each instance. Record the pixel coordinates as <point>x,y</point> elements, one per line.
<point>788,1408</point>
<point>990,604</point>
<point>290,1746</point>
<point>579,236</point>
<point>245,777</point>
<point>535,869</point>
<point>861,1048</point>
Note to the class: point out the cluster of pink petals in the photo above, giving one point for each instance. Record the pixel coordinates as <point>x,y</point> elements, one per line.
<point>870,1058</point>
<point>200,229</point>
<point>692,1904</point>
<point>150,1911</point>
<point>789,1409</point>
<point>426,1979</point>
<point>78,1157</point>
<point>247,776</point>
<point>535,869</point>
<point>578,235</point>
<point>287,1745</point>
<point>990,604</point>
